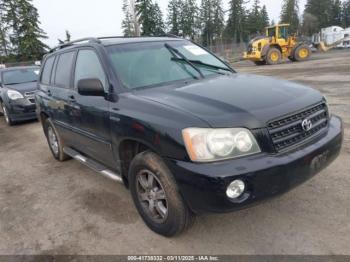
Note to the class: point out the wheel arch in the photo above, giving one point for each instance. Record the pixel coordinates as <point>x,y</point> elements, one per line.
<point>276,46</point>
<point>127,149</point>
<point>266,49</point>
<point>42,118</point>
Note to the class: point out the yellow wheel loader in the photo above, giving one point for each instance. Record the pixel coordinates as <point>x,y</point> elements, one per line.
<point>275,46</point>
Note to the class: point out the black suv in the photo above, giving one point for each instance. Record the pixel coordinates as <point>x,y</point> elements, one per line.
<point>17,93</point>
<point>180,128</point>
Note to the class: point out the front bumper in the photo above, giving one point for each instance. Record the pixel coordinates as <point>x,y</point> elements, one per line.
<point>252,56</point>
<point>21,110</point>
<point>203,186</point>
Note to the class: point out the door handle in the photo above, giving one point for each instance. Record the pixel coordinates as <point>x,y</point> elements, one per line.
<point>49,92</point>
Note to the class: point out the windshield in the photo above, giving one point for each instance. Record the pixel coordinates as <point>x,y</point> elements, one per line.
<point>20,76</point>
<point>154,63</point>
<point>271,32</point>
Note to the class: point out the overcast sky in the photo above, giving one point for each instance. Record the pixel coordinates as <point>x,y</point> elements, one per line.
<point>102,17</point>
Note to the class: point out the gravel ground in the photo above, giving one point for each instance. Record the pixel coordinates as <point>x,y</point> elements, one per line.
<point>47,207</point>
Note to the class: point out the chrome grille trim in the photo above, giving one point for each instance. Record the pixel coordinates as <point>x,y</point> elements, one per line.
<point>287,131</point>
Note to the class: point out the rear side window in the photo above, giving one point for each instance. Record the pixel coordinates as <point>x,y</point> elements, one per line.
<point>64,69</point>
<point>88,66</point>
<point>46,75</point>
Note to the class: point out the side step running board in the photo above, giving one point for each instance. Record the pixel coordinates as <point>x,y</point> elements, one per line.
<point>93,165</point>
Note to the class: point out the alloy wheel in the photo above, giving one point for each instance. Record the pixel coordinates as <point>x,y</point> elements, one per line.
<point>152,196</point>
<point>4,111</point>
<point>53,141</point>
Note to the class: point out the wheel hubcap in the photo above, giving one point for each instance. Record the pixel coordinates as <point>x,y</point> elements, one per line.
<point>152,196</point>
<point>303,53</point>
<point>52,140</point>
<point>274,56</point>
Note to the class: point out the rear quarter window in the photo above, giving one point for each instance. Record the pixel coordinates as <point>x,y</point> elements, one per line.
<point>64,69</point>
<point>46,74</point>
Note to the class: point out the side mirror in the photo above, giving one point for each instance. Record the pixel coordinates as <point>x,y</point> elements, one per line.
<point>90,87</point>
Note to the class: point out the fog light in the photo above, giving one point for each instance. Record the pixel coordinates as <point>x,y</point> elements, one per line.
<point>235,189</point>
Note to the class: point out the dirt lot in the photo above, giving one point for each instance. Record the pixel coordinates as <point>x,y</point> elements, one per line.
<point>51,208</point>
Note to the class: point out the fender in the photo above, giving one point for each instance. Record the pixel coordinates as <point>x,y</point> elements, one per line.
<point>265,50</point>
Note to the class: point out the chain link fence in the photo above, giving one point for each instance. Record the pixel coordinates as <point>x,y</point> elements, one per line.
<point>230,51</point>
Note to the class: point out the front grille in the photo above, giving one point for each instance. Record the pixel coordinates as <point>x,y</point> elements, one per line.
<point>288,131</point>
<point>30,96</point>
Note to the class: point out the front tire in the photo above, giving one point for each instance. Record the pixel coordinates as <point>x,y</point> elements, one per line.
<point>55,141</point>
<point>156,197</point>
<point>7,116</point>
<point>274,56</point>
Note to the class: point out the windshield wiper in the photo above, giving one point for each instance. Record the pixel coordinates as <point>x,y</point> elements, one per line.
<point>205,64</point>
<point>174,51</point>
<point>10,84</point>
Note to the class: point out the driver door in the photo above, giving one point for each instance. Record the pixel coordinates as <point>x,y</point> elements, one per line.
<point>90,114</point>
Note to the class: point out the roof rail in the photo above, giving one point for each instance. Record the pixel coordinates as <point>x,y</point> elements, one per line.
<point>171,35</point>
<point>161,35</point>
<point>64,45</point>
<point>112,37</point>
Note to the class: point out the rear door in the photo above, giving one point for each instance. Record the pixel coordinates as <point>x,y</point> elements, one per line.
<point>61,90</point>
<point>90,114</point>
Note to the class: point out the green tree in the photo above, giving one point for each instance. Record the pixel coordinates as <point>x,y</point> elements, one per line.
<point>174,17</point>
<point>218,19</point>
<point>290,14</point>
<point>346,13</point>
<point>144,11</point>
<point>235,27</point>
<point>150,17</point>
<point>254,24</point>
<point>207,22</point>
<point>321,9</point>
<point>337,16</point>
<point>127,23</point>
<point>11,18</point>
<point>189,19</point>
<point>157,15</point>
<point>30,34</point>
<point>310,24</point>
<point>4,41</point>
<point>26,35</point>
<point>265,20</point>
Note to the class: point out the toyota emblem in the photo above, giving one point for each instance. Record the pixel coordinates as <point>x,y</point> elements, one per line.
<point>306,125</point>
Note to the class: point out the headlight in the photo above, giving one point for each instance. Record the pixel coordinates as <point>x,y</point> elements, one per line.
<point>206,145</point>
<point>14,95</point>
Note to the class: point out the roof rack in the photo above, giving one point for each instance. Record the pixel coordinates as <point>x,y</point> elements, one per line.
<point>98,40</point>
<point>161,35</point>
<point>87,39</point>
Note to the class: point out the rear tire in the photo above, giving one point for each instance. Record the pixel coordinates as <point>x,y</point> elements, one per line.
<point>54,140</point>
<point>156,197</point>
<point>274,56</point>
<point>7,117</point>
<point>302,53</point>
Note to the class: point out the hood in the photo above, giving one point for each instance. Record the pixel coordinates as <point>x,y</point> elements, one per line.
<point>238,100</point>
<point>23,87</point>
